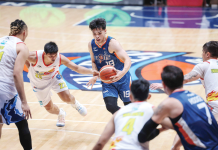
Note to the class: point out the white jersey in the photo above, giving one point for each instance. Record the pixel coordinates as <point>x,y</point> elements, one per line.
<point>208,71</point>
<point>128,123</point>
<point>8,55</point>
<point>40,72</point>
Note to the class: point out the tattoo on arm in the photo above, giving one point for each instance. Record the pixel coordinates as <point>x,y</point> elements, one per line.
<point>158,110</point>
<point>190,76</point>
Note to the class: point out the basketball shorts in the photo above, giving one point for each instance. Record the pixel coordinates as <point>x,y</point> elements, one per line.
<point>43,89</point>
<point>121,88</point>
<point>10,108</point>
<point>213,105</point>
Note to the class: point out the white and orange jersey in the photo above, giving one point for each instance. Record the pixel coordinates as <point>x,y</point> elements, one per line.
<point>128,123</point>
<point>208,71</point>
<point>8,55</point>
<point>40,71</point>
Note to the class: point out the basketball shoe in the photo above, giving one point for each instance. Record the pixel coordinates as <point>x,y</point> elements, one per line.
<point>61,118</point>
<point>80,108</point>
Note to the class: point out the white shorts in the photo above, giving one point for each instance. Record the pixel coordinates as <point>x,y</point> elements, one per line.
<point>10,108</point>
<point>214,108</point>
<point>43,89</point>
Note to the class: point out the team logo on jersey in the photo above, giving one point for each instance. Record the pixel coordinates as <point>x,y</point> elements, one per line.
<point>145,64</point>
<point>101,57</point>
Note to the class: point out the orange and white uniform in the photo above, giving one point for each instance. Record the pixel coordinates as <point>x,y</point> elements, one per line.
<point>208,71</point>
<point>128,123</point>
<point>44,77</point>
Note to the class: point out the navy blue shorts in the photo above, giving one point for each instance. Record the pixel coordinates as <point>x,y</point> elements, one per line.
<point>121,88</point>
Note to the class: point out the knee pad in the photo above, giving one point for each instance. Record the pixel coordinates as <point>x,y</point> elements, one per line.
<point>111,104</point>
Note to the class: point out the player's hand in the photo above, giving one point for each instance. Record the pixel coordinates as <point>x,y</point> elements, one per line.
<point>92,81</point>
<point>26,111</point>
<point>95,73</point>
<point>155,86</point>
<point>118,76</point>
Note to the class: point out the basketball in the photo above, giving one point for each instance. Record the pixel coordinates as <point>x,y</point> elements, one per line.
<point>106,72</point>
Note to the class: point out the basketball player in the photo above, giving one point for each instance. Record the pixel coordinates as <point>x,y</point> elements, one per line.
<point>44,76</point>
<point>13,103</point>
<point>189,114</point>
<point>105,50</point>
<point>129,120</point>
<point>206,71</point>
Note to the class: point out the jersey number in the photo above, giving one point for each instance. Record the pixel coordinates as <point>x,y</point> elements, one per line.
<point>62,85</point>
<point>203,105</point>
<point>1,54</point>
<point>111,63</point>
<point>129,126</point>
<point>126,93</point>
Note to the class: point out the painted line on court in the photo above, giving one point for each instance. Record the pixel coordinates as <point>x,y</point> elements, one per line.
<point>67,104</point>
<point>89,17</point>
<point>143,17</point>
<point>54,130</point>
<point>67,121</point>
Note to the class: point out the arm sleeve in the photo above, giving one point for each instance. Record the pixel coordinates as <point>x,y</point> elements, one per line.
<point>201,68</point>
<point>148,131</point>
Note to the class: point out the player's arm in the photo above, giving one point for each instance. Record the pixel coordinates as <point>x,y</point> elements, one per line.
<point>22,55</point>
<point>94,67</point>
<point>79,69</point>
<point>106,135</point>
<point>115,47</point>
<point>191,76</point>
<point>197,72</point>
<point>149,130</point>
<point>32,57</point>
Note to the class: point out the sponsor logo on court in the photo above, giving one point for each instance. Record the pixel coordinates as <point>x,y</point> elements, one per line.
<point>145,64</point>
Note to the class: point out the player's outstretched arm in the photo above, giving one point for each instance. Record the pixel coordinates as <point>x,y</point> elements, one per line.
<point>116,48</point>
<point>79,69</point>
<point>191,76</point>
<point>155,86</point>
<point>106,135</point>
<point>32,57</point>
<point>22,55</point>
<point>94,67</point>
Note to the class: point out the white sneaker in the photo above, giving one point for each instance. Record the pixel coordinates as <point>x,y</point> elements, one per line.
<point>80,108</point>
<point>61,118</point>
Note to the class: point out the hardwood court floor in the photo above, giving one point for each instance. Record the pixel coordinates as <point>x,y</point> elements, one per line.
<point>81,133</point>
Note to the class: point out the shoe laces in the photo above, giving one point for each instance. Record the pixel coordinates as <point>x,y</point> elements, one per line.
<point>61,118</point>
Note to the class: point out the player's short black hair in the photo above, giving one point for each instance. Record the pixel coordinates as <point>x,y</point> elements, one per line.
<point>212,48</point>
<point>140,89</point>
<point>50,47</point>
<point>172,77</point>
<point>98,23</point>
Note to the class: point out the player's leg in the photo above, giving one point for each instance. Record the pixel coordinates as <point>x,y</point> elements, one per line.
<point>60,87</point>
<point>70,99</point>
<point>111,104</point>
<point>53,109</point>
<point>110,95</point>
<point>176,143</point>
<point>24,134</point>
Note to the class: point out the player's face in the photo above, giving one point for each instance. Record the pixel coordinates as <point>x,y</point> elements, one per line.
<point>51,56</point>
<point>99,35</point>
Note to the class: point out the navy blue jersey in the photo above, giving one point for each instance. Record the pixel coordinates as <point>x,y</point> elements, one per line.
<point>197,127</point>
<point>103,57</point>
